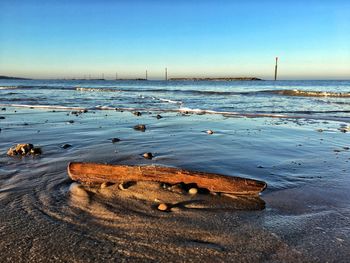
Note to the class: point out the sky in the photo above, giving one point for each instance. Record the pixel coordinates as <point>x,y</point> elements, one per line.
<point>221,38</point>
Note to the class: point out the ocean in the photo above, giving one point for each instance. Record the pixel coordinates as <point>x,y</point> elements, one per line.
<point>294,135</point>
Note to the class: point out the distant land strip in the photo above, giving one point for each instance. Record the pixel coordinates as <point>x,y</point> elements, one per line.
<point>7,77</point>
<point>217,79</point>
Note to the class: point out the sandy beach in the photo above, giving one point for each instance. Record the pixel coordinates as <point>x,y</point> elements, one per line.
<point>302,216</point>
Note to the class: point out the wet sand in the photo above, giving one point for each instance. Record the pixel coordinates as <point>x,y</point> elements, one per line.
<point>303,215</point>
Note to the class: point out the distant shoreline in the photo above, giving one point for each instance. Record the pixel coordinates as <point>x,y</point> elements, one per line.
<point>216,79</point>
<point>7,77</point>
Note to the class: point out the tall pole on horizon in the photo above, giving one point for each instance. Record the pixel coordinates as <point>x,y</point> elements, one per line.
<point>103,75</point>
<point>166,73</point>
<point>116,76</point>
<point>146,75</point>
<point>276,68</point>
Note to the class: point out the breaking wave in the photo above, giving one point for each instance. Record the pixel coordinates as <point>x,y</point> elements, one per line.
<point>186,110</point>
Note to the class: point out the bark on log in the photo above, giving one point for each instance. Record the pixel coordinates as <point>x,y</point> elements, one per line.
<point>100,173</point>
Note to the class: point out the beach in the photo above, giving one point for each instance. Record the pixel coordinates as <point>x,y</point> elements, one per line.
<point>297,143</point>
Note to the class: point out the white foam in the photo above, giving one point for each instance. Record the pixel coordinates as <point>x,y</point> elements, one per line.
<point>8,87</point>
<point>53,107</point>
<point>170,101</point>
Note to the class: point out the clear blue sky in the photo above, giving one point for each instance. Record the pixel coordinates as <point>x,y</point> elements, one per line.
<point>73,38</point>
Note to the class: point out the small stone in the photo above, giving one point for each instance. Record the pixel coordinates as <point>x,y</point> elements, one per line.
<point>140,127</point>
<point>2,118</point>
<point>210,132</point>
<point>84,111</point>
<point>3,109</point>
<point>162,207</point>
<point>71,121</point>
<point>193,191</point>
<point>147,155</point>
<point>345,148</point>
<point>114,140</point>
<point>137,113</point>
<point>320,130</point>
<point>159,116</point>
<point>66,145</point>
<point>121,187</point>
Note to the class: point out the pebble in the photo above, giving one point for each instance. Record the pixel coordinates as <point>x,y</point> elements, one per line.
<point>147,155</point>
<point>2,118</point>
<point>66,145</point>
<point>140,127</point>
<point>137,113</point>
<point>3,109</point>
<point>210,132</point>
<point>121,187</point>
<point>193,191</point>
<point>162,207</point>
<point>71,121</point>
<point>114,140</point>
<point>159,116</point>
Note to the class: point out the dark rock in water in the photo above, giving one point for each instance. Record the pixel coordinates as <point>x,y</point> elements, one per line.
<point>24,149</point>
<point>71,121</point>
<point>137,113</point>
<point>25,124</point>
<point>0,129</point>
<point>140,127</point>
<point>2,117</point>
<point>159,116</point>
<point>84,111</point>
<point>66,145</point>
<point>114,140</point>
<point>3,109</point>
<point>147,155</point>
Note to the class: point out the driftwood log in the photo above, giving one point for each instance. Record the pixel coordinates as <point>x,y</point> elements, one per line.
<point>92,173</point>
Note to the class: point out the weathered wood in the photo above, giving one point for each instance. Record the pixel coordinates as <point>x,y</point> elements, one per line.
<point>100,173</point>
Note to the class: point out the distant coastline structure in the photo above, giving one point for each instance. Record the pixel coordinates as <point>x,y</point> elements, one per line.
<point>276,66</point>
<point>166,73</point>
<point>146,74</point>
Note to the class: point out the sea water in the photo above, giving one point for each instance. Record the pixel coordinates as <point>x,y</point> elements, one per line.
<point>294,135</point>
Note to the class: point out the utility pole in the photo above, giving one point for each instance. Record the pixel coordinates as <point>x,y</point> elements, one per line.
<point>166,73</point>
<point>276,68</point>
<point>116,76</point>
<point>146,75</point>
